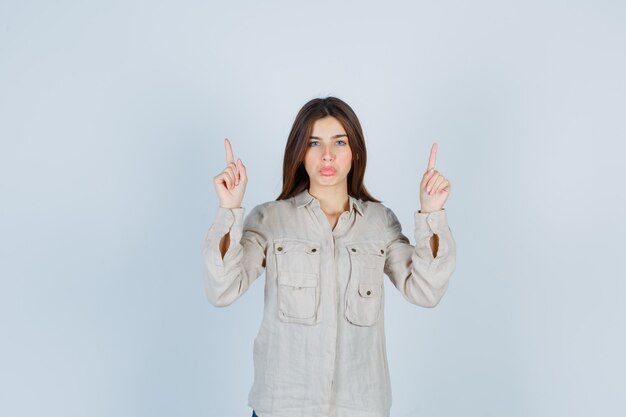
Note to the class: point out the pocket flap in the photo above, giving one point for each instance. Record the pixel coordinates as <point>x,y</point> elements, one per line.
<point>297,279</point>
<point>290,245</point>
<point>367,289</point>
<point>376,248</point>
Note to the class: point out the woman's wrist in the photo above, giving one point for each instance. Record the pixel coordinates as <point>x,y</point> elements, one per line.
<point>426,212</point>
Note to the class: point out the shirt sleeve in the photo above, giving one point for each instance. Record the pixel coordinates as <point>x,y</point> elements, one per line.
<point>415,272</point>
<point>227,279</point>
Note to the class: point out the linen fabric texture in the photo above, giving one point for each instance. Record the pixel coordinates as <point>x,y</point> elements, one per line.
<point>320,350</point>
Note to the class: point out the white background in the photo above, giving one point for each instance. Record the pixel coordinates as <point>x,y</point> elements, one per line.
<point>112,117</point>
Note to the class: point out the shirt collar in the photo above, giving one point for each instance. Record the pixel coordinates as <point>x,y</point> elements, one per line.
<point>304,198</point>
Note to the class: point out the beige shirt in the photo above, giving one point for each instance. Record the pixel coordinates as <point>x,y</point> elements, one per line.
<point>320,351</point>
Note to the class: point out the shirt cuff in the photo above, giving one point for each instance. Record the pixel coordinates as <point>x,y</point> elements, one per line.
<point>427,224</point>
<point>225,219</point>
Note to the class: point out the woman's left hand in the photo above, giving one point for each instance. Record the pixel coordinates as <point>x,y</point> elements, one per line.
<point>434,188</point>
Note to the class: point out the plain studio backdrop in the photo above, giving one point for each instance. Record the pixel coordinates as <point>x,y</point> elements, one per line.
<point>112,121</point>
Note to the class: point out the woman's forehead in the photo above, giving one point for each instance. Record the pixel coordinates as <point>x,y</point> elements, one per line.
<point>327,127</point>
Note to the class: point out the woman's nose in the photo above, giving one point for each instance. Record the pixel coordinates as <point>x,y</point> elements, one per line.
<point>328,155</point>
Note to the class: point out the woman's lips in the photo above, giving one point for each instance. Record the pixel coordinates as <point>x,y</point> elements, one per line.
<point>328,171</point>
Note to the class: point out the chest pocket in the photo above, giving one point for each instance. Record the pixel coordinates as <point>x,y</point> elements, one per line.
<point>364,294</point>
<point>298,268</point>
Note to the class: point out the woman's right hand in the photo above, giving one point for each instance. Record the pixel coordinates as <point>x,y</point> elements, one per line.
<point>230,184</point>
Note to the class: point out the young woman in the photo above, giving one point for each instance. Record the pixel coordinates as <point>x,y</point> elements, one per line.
<point>325,245</point>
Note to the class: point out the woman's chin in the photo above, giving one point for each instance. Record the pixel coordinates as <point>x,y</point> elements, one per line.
<point>330,180</point>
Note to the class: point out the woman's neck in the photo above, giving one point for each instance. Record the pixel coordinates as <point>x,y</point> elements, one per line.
<point>333,200</point>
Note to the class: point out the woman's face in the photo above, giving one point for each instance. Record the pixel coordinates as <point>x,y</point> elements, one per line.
<point>328,157</point>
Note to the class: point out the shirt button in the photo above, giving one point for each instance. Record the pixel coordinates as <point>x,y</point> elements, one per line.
<point>369,292</point>
<point>313,250</point>
<point>279,249</point>
<point>382,251</point>
<point>353,250</point>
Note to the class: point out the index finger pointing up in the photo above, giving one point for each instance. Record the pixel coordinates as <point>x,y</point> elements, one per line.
<point>433,156</point>
<point>229,152</point>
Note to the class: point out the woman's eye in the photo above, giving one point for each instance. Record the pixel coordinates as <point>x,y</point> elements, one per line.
<point>339,142</point>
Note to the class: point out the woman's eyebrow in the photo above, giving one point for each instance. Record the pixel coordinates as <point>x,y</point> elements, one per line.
<point>341,135</point>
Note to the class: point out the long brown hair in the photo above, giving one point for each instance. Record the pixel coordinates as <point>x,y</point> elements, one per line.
<point>295,177</point>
